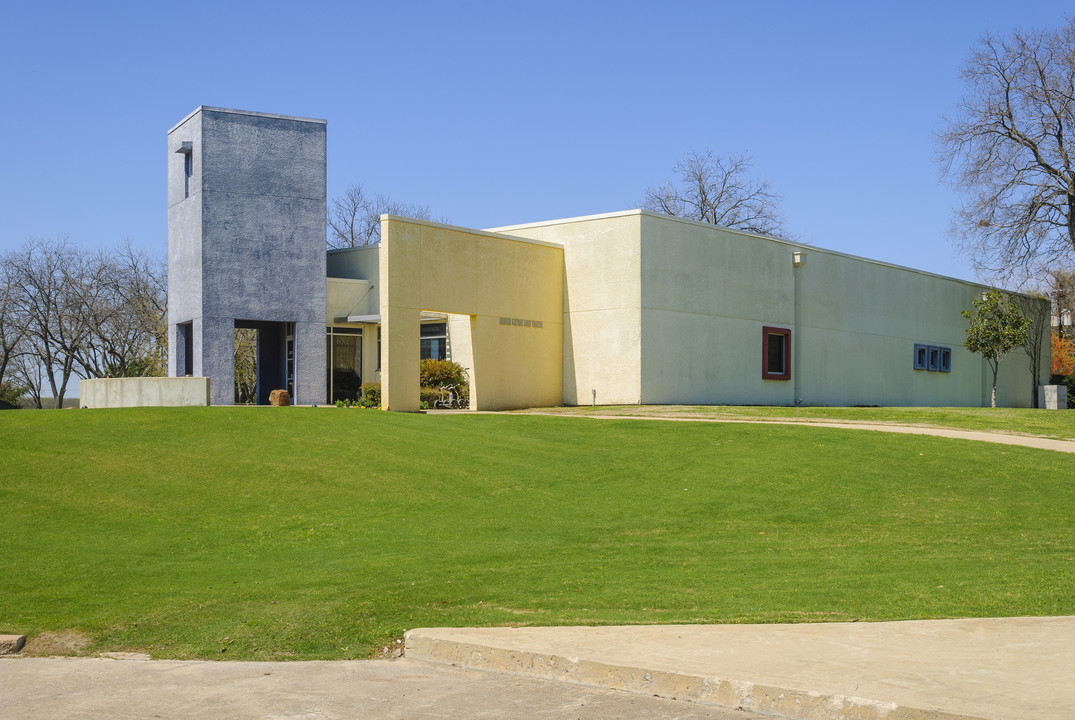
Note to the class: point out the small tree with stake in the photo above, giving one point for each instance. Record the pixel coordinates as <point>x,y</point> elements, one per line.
<point>996,328</point>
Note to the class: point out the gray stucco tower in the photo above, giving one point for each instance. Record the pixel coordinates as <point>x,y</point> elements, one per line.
<point>246,249</point>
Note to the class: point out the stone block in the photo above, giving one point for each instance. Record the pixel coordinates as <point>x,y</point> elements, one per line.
<point>11,644</point>
<point>1052,397</point>
<point>279,398</point>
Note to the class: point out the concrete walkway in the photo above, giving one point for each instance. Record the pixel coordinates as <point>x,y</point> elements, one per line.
<point>1031,441</point>
<point>103,689</point>
<point>987,669</point>
<point>972,669</point>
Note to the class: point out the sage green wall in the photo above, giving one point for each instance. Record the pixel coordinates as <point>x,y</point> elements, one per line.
<point>707,292</point>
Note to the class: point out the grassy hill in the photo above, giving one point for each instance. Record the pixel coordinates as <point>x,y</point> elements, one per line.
<point>306,533</point>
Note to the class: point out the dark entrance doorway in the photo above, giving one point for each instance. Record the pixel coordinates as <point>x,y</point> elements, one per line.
<point>274,359</point>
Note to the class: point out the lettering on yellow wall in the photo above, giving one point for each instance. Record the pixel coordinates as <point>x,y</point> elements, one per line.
<point>521,323</point>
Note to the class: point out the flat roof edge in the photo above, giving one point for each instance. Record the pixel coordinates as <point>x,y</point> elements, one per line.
<point>806,247</point>
<point>252,113</point>
<point>473,231</point>
<point>790,243</point>
<point>565,221</point>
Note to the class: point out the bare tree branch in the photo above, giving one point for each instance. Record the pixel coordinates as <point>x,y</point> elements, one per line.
<point>355,218</point>
<point>1008,150</point>
<point>719,190</point>
<point>55,283</point>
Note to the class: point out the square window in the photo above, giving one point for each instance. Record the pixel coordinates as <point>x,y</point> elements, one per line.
<point>776,353</point>
<point>921,357</point>
<point>934,358</point>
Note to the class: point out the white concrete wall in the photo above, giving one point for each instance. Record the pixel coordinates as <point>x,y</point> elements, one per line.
<point>144,392</point>
<point>602,304</point>
<point>661,310</point>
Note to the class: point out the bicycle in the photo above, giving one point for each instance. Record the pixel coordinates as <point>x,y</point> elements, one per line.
<point>449,399</point>
<point>452,396</point>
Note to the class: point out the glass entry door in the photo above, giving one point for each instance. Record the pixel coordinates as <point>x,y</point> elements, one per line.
<point>345,363</point>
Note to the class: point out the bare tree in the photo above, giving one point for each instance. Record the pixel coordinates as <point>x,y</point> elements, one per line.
<point>1009,149</point>
<point>1036,309</point>
<point>129,318</point>
<point>355,218</point>
<point>28,375</point>
<point>58,286</point>
<point>11,326</point>
<point>719,190</point>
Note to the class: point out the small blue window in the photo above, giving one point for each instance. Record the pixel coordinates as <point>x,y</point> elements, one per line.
<point>934,358</point>
<point>921,356</point>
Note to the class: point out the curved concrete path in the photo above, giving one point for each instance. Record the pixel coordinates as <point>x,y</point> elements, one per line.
<point>1031,441</point>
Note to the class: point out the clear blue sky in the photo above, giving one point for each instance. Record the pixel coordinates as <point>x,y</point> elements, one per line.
<point>501,113</point>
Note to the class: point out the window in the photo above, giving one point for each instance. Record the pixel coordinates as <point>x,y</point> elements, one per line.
<point>185,349</point>
<point>188,172</point>
<point>289,345</point>
<point>434,341</point>
<point>934,358</point>
<point>344,350</point>
<point>946,360</point>
<point>921,356</point>
<point>186,149</point>
<point>776,353</point>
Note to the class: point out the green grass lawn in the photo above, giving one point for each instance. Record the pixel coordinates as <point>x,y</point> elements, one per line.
<point>271,533</point>
<point>1045,423</point>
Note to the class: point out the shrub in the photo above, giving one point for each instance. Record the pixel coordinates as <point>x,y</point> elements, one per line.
<point>1063,355</point>
<point>11,395</point>
<point>431,395</point>
<point>371,394</point>
<point>1067,381</point>
<point>434,373</point>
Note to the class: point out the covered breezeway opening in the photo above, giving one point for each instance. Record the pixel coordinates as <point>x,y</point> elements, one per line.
<point>264,360</point>
<point>504,299</point>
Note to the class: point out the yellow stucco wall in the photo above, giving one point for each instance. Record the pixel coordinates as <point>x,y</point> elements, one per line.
<point>602,305</point>
<point>512,291</point>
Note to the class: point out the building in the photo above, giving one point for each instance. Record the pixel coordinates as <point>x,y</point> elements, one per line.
<point>621,308</point>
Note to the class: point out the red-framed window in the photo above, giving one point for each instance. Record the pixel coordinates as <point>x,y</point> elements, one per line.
<point>775,353</point>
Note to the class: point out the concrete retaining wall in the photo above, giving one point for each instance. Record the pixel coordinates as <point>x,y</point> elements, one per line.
<point>144,392</point>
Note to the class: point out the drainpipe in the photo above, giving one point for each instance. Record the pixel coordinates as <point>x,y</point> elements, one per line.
<point>798,259</point>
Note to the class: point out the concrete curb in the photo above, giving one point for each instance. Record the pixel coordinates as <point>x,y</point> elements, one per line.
<point>11,644</point>
<point>733,694</point>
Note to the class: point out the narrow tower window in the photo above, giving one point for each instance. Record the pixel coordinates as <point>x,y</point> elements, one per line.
<point>187,150</point>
